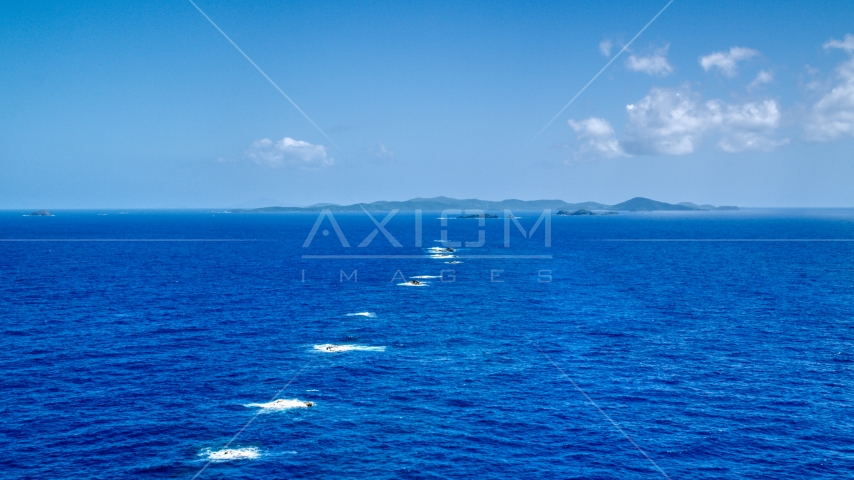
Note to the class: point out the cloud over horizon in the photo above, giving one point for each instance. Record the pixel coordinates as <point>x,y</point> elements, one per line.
<point>762,78</point>
<point>748,126</point>
<point>832,116</point>
<point>655,64</point>
<point>846,44</point>
<point>381,152</point>
<point>665,121</point>
<point>598,136</point>
<point>675,121</point>
<point>288,152</point>
<point>605,47</point>
<point>727,62</point>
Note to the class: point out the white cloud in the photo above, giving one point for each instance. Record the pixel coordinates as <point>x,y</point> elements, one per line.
<point>740,141</point>
<point>762,78</point>
<point>382,152</point>
<point>290,152</point>
<point>727,62</point>
<point>598,136</point>
<point>749,126</point>
<point>674,121</point>
<point>605,47</point>
<point>666,121</point>
<point>655,64</point>
<point>832,116</point>
<point>846,44</point>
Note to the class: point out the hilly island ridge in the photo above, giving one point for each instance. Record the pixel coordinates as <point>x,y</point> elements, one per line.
<point>637,204</point>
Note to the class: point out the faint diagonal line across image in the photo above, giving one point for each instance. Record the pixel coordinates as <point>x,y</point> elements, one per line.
<point>276,86</point>
<point>614,58</point>
<point>608,417</point>
<point>251,420</point>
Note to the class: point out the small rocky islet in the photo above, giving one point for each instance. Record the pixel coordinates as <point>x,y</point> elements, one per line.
<point>582,212</point>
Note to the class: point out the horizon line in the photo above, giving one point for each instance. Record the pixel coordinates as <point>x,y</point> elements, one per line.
<point>214,209</point>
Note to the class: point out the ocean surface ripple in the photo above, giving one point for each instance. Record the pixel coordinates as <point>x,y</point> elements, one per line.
<point>139,359</point>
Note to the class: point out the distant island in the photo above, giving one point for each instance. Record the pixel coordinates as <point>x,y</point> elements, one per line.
<point>485,215</point>
<point>637,204</point>
<point>41,213</point>
<point>582,212</point>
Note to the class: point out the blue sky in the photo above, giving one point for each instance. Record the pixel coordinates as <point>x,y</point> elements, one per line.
<point>146,105</point>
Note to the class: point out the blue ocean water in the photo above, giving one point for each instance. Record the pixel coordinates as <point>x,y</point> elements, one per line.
<point>125,353</point>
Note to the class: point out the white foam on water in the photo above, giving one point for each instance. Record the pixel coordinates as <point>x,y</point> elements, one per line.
<point>441,256</point>
<point>454,262</point>
<point>410,284</point>
<point>441,251</point>
<point>332,348</point>
<point>425,276</point>
<point>363,314</point>
<point>229,454</point>
<point>281,404</point>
